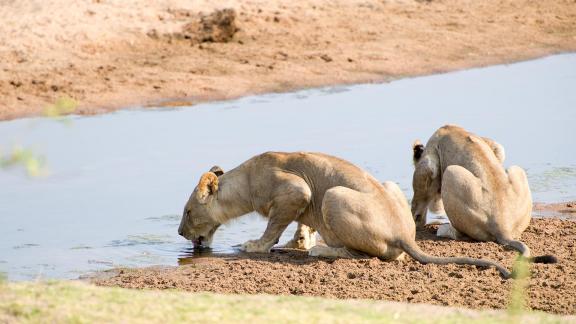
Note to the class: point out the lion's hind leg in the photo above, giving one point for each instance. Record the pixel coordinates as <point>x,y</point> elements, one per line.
<point>462,196</point>
<point>523,204</point>
<point>355,225</point>
<point>332,252</point>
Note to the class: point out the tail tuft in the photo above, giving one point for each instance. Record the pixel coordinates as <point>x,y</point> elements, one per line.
<point>544,259</point>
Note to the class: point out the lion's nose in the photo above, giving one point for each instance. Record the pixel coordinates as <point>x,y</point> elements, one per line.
<point>180,232</point>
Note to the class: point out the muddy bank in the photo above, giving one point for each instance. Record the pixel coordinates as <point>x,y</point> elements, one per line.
<point>564,208</point>
<point>294,273</point>
<point>112,54</point>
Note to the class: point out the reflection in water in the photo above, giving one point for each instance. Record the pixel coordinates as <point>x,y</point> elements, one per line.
<point>119,181</point>
<point>190,255</point>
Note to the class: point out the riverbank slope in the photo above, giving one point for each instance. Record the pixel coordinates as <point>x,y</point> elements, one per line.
<point>113,54</point>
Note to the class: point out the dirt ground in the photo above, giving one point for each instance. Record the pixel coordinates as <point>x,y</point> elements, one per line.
<point>551,287</point>
<point>108,54</point>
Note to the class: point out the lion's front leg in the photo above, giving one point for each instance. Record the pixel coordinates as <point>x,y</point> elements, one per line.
<point>292,198</point>
<point>278,222</point>
<point>304,238</point>
<point>253,246</point>
<point>276,226</point>
<point>448,231</point>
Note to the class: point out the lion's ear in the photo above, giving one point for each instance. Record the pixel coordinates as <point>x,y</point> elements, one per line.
<point>217,170</point>
<point>417,151</point>
<point>207,186</point>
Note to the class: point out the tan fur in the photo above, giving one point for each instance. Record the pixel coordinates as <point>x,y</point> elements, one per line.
<point>354,213</point>
<point>208,184</point>
<point>304,238</point>
<point>482,199</point>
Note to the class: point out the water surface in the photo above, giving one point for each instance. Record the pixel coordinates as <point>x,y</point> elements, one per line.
<point>119,181</point>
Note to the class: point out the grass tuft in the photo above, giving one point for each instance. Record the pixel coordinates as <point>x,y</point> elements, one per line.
<point>63,106</point>
<point>519,295</point>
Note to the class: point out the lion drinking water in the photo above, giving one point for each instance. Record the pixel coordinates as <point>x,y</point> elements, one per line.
<point>463,174</point>
<point>352,211</point>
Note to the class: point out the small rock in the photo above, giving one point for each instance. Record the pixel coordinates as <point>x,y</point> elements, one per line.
<point>15,84</point>
<point>326,58</point>
<point>153,33</point>
<point>218,26</point>
<point>455,275</point>
<point>281,55</point>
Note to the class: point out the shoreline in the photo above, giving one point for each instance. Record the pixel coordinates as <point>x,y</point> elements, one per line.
<point>566,208</point>
<point>292,272</point>
<point>126,54</point>
<point>176,102</point>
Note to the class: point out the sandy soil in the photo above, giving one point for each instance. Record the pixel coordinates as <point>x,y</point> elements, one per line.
<point>551,287</point>
<point>108,54</point>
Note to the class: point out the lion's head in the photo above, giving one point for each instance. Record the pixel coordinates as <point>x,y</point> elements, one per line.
<point>197,224</point>
<point>426,183</point>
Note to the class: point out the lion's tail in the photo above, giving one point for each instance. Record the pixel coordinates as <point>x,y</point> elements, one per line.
<point>525,251</point>
<point>415,252</point>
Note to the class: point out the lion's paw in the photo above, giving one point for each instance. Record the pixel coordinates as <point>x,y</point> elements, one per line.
<point>254,246</point>
<point>446,230</point>
<point>316,251</point>
<point>301,243</point>
<point>330,252</point>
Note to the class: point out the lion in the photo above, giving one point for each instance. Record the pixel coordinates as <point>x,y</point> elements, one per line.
<point>355,214</point>
<point>463,175</point>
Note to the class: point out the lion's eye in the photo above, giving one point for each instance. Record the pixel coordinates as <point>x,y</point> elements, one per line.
<point>188,213</point>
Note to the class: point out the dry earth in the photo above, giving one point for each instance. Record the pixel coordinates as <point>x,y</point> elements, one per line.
<point>108,54</point>
<point>551,287</point>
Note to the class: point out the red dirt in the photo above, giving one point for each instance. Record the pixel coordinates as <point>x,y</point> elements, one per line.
<point>551,287</point>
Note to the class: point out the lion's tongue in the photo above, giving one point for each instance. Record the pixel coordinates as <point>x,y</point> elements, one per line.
<point>197,243</point>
